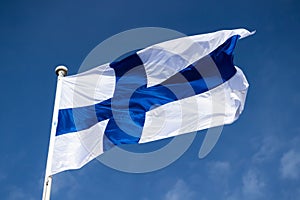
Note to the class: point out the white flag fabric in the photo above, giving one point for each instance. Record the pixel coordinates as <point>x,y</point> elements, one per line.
<point>164,90</point>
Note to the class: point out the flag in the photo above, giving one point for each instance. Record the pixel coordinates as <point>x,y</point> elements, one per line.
<point>167,89</point>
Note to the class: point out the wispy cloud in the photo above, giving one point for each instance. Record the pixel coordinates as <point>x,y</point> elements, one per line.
<point>17,193</point>
<point>179,191</point>
<point>290,165</point>
<point>61,182</point>
<point>2,176</point>
<point>253,185</point>
<point>219,166</point>
<point>219,170</point>
<point>267,149</point>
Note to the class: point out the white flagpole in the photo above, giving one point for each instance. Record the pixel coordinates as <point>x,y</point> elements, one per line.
<point>61,71</point>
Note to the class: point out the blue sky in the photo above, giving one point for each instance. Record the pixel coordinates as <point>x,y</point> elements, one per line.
<point>257,157</point>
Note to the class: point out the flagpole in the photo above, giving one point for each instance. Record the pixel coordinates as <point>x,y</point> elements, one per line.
<point>60,71</point>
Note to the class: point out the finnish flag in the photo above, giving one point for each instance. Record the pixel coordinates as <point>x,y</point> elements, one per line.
<point>167,89</point>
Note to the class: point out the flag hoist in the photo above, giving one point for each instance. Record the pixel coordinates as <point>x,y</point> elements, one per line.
<point>60,71</point>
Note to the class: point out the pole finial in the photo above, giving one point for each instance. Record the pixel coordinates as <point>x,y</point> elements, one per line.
<point>61,70</point>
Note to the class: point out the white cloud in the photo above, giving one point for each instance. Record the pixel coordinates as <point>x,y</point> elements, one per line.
<point>268,147</point>
<point>219,170</point>
<point>179,191</point>
<point>290,165</point>
<point>219,167</point>
<point>16,193</point>
<point>253,185</point>
<point>64,183</point>
<point>2,177</point>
